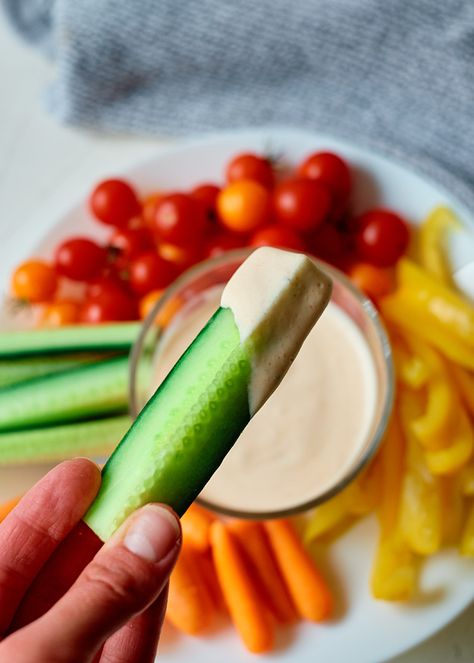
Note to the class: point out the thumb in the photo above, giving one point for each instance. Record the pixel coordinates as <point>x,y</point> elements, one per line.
<point>123,579</point>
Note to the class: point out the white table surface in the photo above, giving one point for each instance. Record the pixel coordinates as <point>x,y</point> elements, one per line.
<point>45,165</point>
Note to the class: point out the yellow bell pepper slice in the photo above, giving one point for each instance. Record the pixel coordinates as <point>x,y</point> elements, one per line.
<point>392,464</point>
<point>436,299</point>
<point>466,479</point>
<point>394,571</point>
<point>434,313</point>
<point>434,363</point>
<point>421,505</point>
<point>432,239</point>
<point>451,459</point>
<point>433,428</point>
<point>363,494</point>
<point>467,541</point>
<point>465,384</point>
<point>327,517</point>
<point>452,500</point>
<point>411,371</point>
<point>405,313</point>
<point>440,425</point>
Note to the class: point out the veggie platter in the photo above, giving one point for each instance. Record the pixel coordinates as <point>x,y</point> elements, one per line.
<point>364,571</point>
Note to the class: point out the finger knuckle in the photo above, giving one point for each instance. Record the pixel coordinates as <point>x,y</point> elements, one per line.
<point>117,583</point>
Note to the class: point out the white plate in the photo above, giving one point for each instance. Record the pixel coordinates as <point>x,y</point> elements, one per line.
<point>363,630</point>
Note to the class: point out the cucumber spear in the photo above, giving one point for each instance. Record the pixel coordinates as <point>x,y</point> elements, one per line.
<point>190,423</point>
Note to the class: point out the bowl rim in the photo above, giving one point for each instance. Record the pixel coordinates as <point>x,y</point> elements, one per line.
<point>386,353</point>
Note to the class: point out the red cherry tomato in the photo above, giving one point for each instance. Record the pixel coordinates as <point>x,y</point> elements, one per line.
<point>331,171</point>
<point>34,281</point>
<point>207,194</point>
<point>328,243</point>
<point>126,244</point>
<point>279,236</point>
<point>243,206</point>
<point>381,237</point>
<point>301,203</point>
<point>80,259</point>
<point>179,219</point>
<point>221,242</point>
<point>114,202</point>
<point>251,167</point>
<point>149,208</point>
<point>104,286</point>
<point>108,307</point>
<point>151,272</point>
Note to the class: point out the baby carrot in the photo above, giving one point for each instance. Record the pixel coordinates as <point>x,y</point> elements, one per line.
<point>307,587</point>
<point>6,507</point>
<point>196,524</point>
<point>251,537</point>
<point>190,607</point>
<point>248,614</point>
<point>209,577</point>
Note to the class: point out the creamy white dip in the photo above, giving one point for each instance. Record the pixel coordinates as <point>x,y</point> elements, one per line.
<point>312,429</point>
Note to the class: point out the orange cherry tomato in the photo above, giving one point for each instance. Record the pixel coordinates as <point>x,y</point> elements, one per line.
<point>243,206</point>
<point>34,281</point>
<point>167,312</point>
<point>147,302</point>
<point>375,282</point>
<point>59,313</point>
<point>182,256</point>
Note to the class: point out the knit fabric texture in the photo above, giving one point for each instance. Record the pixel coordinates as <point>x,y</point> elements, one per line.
<point>395,74</point>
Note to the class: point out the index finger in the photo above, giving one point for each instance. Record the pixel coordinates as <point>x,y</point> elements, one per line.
<point>38,524</point>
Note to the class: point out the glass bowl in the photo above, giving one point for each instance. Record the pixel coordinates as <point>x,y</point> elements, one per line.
<point>188,291</point>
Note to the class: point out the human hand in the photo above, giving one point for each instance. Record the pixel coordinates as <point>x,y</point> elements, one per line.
<point>114,610</point>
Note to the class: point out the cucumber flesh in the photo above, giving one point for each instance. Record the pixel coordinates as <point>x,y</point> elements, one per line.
<point>17,370</point>
<point>89,438</point>
<point>106,337</point>
<point>84,392</point>
<point>183,433</point>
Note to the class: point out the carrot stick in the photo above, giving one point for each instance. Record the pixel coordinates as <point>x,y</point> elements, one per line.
<point>190,607</point>
<point>6,507</point>
<point>196,524</point>
<point>247,612</point>
<point>209,577</point>
<point>307,587</point>
<point>251,537</point>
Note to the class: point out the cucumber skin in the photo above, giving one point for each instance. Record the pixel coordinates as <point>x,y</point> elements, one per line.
<point>80,393</point>
<point>183,433</point>
<point>91,438</point>
<point>76,338</point>
<point>20,369</point>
